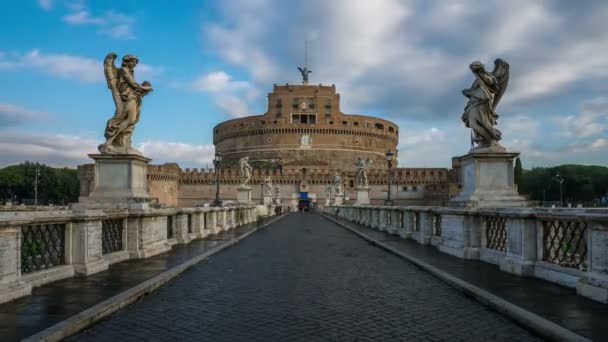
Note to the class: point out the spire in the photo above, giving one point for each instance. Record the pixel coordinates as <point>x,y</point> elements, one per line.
<point>304,71</point>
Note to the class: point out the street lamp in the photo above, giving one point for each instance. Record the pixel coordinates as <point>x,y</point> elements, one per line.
<point>389,160</point>
<point>36,181</point>
<point>217,162</point>
<point>560,180</point>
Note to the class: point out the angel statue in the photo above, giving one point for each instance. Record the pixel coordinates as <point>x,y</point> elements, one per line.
<point>127,95</point>
<point>361,175</point>
<point>485,93</point>
<point>338,184</point>
<point>245,171</point>
<point>304,71</point>
<point>268,186</point>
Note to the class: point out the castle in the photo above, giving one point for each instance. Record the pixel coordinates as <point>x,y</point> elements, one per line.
<point>301,141</point>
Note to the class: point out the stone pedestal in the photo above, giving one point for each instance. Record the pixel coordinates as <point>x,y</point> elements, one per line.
<point>338,199</point>
<point>362,196</point>
<point>120,182</point>
<point>244,195</point>
<point>486,177</point>
<point>267,200</point>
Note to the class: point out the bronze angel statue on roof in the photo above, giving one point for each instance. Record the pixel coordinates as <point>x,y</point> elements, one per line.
<point>485,93</point>
<point>304,71</point>
<point>127,95</point>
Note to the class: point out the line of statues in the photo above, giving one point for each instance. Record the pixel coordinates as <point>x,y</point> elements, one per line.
<point>479,113</point>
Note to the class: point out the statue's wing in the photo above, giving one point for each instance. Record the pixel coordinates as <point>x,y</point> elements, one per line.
<point>501,73</point>
<point>111,74</point>
<point>301,71</point>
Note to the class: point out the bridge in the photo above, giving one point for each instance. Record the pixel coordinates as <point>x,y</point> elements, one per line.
<point>352,273</point>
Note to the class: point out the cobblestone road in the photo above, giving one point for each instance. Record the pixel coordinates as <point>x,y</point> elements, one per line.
<point>306,279</point>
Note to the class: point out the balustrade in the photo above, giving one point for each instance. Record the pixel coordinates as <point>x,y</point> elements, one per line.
<point>566,246</point>
<point>40,247</point>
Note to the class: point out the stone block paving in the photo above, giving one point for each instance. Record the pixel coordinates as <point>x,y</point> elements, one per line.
<point>306,279</point>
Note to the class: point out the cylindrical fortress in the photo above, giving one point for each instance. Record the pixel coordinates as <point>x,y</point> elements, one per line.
<point>303,125</point>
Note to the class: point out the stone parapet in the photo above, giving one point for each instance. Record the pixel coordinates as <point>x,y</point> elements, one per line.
<point>564,246</point>
<point>39,247</point>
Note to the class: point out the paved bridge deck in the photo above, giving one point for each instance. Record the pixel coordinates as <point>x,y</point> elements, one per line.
<point>306,279</point>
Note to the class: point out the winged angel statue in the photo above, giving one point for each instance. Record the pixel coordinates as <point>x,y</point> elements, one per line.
<point>485,93</point>
<point>127,95</point>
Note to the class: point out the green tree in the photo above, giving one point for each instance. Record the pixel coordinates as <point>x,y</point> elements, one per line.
<point>518,170</point>
<point>55,185</point>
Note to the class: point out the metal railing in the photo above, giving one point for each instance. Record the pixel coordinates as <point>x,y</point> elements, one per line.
<point>564,243</point>
<point>42,247</point>
<point>111,236</point>
<point>436,224</point>
<point>496,233</point>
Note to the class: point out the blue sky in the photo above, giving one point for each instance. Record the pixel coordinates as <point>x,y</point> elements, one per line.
<point>209,61</point>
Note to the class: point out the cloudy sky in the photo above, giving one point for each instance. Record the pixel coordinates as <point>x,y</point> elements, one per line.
<point>209,61</point>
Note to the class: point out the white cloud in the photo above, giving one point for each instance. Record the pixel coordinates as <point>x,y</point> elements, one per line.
<point>111,23</point>
<point>182,153</point>
<point>45,4</point>
<point>396,54</point>
<point>11,114</point>
<point>218,81</point>
<point>591,121</point>
<point>55,150</point>
<point>232,97</point>
<point>72,150</point>
<point>67,66</point>
<point>233,106</point>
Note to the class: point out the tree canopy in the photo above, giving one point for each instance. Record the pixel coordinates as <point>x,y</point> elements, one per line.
<point>581,184</point>
<point>55,185</point>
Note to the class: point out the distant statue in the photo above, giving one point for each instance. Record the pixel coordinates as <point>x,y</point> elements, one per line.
<point>305,140</point>
<point>127,95</point>
<point>485,93</point>
<point>361,175</point>
<point>268,186</point>
<point>277,191</point>
<point>304,71</point>
<point>245,171</point>
<point>328,191</point>
<point>338,184</point>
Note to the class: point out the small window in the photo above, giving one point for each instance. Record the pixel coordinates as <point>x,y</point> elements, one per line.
<point>295,118</point>
<point>263,122</point>
<point>311,104</point>
<point>355,123</point>
<point>414,188</point>
<point>304,171</point>
<point>296,103</point>
<point>279,103</point>
<point>328,103</point>
<point>344,123</point>
<point>379,126</point>
<point>404,188</point>
<point>331,122</point>
<point>327,112</point>
<point>391,129</point>
<point>312,119</point>
<point>279,113</point>
<point>352,183</point>
<point>303,119</point>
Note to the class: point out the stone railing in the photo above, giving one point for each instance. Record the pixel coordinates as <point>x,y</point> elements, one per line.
<point>38,247</point>
<point>564,246</point>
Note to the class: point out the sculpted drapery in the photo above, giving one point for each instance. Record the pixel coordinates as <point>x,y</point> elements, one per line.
<point>483,97</point>
<point>127,95</point>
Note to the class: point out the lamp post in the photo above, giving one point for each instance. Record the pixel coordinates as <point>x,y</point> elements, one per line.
<point>560,180</point>
<point>389,160</point>
<point>262,181</point>
<point>36,181</point>
<point>217,163</point>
